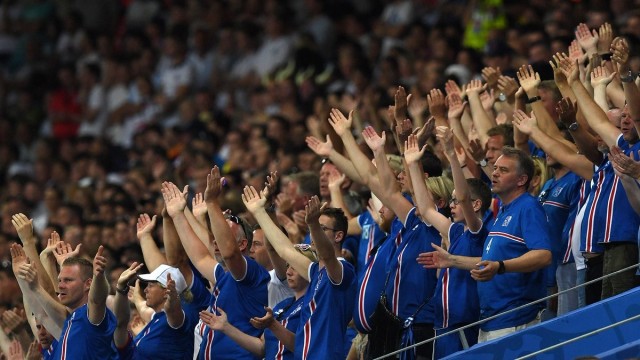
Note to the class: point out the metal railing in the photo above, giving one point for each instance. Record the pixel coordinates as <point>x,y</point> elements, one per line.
<point>461,329</point>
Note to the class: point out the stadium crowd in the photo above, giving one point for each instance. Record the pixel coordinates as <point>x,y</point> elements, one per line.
<point>188,179</point>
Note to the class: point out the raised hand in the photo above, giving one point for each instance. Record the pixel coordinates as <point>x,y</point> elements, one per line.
<point>373,140</point>
<point>28,273</point>
<point>33,353</point>
<point>558,75</point>
<point>445,135</point>
<point>270,187</point>
<point>145,225</point>
<point>284,203</point>
<point>253,200</point>
<point>568,67</point>
<point>319,147</point>
<point>438,259</point>
<point>313,210</point>
<point>52,244</point>
<point>128,274</point>
<point>488,98</point>
<point>336,179</point>
<point>174,200</point>
<point>24,227</point>
<point>18,257</point>
<point>507,85</point>
<point>171,296</point>
<point>99,262</point>
<point>529,80</point>
<point>299,218</point>
<point>293,231</point>
<point>523,122</point>
<point>341,125</point>
<point>476,150</point>
<point>263,322</point>
<point>576,53</point>
<point>424,133</point>
<point>605,38</point>
<point>623,164</point>
<point>401,104</point>
<point>588,40</point>
<point>601,77</point>
<point>15,350</point>
<point>64,250</point>
<point>214,185</point>
<point>198,206</point>
<point>436,103</point>
<point>451,87</point>
<point>374,211</point>
<point>213,321</point>
<point>456,106</point>
<point>14,320</point>
<point>417,106</point>
<point>412,151</point>
<point>404,128</point>
<point>473,87</point>
<point>490,76</point>
<point>566,110</point>
<point>135,295</point>
<point>620,52</point>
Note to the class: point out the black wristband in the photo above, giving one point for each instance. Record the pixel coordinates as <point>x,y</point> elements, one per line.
<point>501,269</point>
<point>534,99</point>
<point>124,291</point>
<point>606,56</point>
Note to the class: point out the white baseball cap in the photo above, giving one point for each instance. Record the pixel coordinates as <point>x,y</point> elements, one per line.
<point>160,275</point>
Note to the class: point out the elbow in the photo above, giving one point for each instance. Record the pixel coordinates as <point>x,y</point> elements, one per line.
<point>546,258</point>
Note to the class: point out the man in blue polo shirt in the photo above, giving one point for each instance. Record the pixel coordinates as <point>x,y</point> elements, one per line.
<point>510,272</point>
<point>240,283</point>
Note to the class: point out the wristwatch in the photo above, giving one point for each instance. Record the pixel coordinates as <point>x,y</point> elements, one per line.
<point>533,99</point>
<point>483,163</point>
<point>573,126</point>
<point>501,269</point>
<point>628,77</point>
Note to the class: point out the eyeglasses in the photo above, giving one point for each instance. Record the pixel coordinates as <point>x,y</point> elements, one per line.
<point>325,228</point>
<point>456,202</point>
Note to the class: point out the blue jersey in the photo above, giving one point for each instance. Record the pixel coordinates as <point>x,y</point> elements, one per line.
<point>327,310</point>
<point>82,340</point>
<point>370,237</point>
<point>371,281</point>
<point>456,296</point>
<point>47,353</point>
<point>158,340</point>
<point>521,226</point>
<point>241,300</point>
<point>288,313</point>
<point>610,217</point>
<point>411,285</point>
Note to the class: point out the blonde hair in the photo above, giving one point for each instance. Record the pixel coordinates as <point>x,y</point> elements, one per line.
<point>541,171</point>
<point>441,187</point>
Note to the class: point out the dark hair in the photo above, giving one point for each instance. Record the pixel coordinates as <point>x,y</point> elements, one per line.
<point>86,267</point>
<point>525,163</point>
<point>308,182</point>
<point>340,220</point>
<point>505,130</point>
<point>431,164</point>
<point>479,190</point>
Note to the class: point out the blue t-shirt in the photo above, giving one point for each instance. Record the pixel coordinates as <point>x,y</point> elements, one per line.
<point>609,215</point>
<point>158,340</point>
<point>288,313</point>
<point>456,296</point>
<point>241,299</point>
<point>47,353</point>
<point>370,237</point>
<point>327,310</point>
<point>521,226</point>
<point>410,285</point>
<point>82,340</point>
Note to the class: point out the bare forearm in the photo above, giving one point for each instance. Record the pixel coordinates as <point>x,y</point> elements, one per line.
<point>221,230</point>
<point>153,257</point>
<point>464,262</point>
<point>49,265</point>
<point>530,261</point>
<point>43,279</point>
<point>250,343</point>
<point>563,154</point>
<point>55,311</point>
<point>98,293</point>
<point>173,250</point>
<point>345,166</point>
<point>481,120</point>
<point>200,229</point>
<point>286,337</point>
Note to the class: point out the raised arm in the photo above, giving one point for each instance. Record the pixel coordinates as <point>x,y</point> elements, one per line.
<point>628,169</point>
<point>175,203</point>
<point>99,289</point>
<point>325,149</point>
<point>136,298</point>
<point>463,194</point>
<point>482,121</point>
<point>173,250</point>
<point>596,118</point>
<point>152,255</point>
<point>227,244</point>
<point>24,228</point>
<point>600,78</point>
<point>48,259</point>
<point>620,50</point>
<point>255,203</point>
<point>121,306</point>
<point>335,189</point>
<point>423,197</point>
<point>172,305</point>
<point>563,154</point>
<point>530,80</point>
<point>324,245</point>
